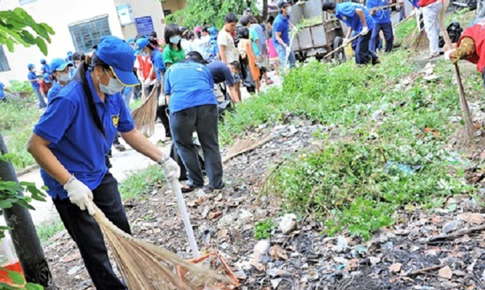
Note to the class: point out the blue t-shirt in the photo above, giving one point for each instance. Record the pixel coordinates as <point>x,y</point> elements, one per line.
<point>282,25</point>
<point>53,91</point>
<point>45,68</point>
<point>189,84</point>
<point>2,93</point>
<point>382,16</point>
<point>262,39</point>
<point>32,76</point>
<point>75,140</point>
<point>221,72</point>
<point>346,12</point>
<point>157,61</point>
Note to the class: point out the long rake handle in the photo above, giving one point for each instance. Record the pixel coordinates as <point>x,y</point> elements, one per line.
<point>175,184</point>
<point>343,45</point>
<point>464,104</point>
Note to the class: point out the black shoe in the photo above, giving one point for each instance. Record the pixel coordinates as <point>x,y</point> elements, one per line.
<point>185,188</point>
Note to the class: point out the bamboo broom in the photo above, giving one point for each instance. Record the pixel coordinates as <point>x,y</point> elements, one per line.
<point>147,267</point>
<point>145,115</point>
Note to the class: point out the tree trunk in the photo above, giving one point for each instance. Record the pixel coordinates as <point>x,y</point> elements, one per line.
<point>265,12</point>
<point>24,236</point>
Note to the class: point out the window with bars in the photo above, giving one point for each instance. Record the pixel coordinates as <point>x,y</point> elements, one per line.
<point>3,60</point>
<point>23,2</point>
<point>88,33</point>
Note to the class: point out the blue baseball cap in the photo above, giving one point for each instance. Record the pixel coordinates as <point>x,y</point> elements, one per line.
<point>42,61</point>
<point>47,78</point>
<point>141,44</point>
<point>119,55</point>
<point>58,64</point>
<point>213,31</point>
<point>30,66</point>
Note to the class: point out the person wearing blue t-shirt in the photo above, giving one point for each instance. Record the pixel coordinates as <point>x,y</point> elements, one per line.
<point>60,71</point>
<point>222,72</point>
<point>189,88</point>
<point>32,77</point>
<point>149,47</point>
<point>70,143</point>
<point>3,89</point>
<point>382,22</point>
<point>359,20</point>
<point>45,67</point>
<point>281,35</point>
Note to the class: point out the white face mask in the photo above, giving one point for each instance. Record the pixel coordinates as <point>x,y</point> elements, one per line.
<point>145,54</point>
<point>113,87</point>
<point>64,77</point>
<point>288,10</point>
<point>175,39</point>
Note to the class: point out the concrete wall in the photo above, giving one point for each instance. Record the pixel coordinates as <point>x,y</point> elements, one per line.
<point>59,14</point>
<point>140,8</point>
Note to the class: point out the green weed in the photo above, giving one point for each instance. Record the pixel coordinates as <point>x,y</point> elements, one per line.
<point>48,229</point>
<point>356,182</point>
<point>264,229</point>
<point>141,182</point>
<point>17,119</point>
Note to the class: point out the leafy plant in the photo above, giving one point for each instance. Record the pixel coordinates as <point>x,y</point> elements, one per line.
<point>18,27</point>
<point>264,229</point>
<point>18,279</point>
<point>18,86</point>
<point>207,12</point>
<point>9,193</point>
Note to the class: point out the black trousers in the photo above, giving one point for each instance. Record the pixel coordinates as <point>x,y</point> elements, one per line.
<point>85,231</point>
<point>363,55</point>
<point>162,115</point>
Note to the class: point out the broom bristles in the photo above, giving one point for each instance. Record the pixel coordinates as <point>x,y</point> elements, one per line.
<point>244,146</point>
<point>145,115</point>
<point>147,267</point>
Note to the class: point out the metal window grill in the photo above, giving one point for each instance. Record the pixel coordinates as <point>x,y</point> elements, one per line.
<point>3,60</point>
<point>87,34</point>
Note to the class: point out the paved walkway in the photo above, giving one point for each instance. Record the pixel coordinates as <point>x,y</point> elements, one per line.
<point>124,163</point>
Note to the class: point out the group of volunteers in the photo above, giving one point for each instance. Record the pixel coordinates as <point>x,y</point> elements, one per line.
<point>88,99</point>
<point>366,21</point>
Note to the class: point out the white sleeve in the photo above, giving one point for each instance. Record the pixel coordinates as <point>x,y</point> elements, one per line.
<point>222,39</point>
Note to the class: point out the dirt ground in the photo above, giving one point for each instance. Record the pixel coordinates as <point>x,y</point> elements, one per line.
<point>401,257</point>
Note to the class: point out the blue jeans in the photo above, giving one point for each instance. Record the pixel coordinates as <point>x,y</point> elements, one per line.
<point>127,93</point>
<point>282,56</point>
<point>203,120</point>
<point>388,36</point>
<point>42,103</point>
<point>362,53</point>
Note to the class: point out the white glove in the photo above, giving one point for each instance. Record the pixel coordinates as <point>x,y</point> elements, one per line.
<point>418,12</point>
<point>345,42</point>
<point>147,82</point>
<point>170,168</point>
<point>447,53</point>
<point>79,194</point>
<point>365,30</point>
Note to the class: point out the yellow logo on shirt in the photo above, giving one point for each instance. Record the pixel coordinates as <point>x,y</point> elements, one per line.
<point>345,17</point>
<point>116,120</point>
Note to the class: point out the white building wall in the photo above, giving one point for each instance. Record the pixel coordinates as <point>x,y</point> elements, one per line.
<point>59,14</point>
<point>141,8</point>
